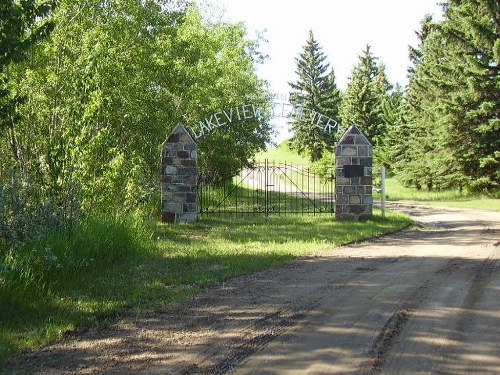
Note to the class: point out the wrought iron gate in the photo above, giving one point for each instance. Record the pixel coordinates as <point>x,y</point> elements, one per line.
<point>269,188</point>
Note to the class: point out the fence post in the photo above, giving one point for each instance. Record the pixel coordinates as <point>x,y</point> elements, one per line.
<point>382,191</point>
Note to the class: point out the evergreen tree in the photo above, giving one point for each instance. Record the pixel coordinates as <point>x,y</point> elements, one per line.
<point>471,29</point>
<point>391,147</point>
<point>453,102</point>
<point>362,103</point>
<point>424,149</point>
<point>315,92</point>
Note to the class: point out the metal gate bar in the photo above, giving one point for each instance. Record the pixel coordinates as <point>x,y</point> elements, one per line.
<point>268,188</point>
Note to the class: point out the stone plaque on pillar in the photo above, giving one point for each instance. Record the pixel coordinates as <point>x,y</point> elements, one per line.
<point>179,177</point>
<point>353,176</point>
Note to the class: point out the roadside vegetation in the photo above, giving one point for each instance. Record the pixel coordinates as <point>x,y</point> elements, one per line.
<point>112,268</point>
<point>395,191</point>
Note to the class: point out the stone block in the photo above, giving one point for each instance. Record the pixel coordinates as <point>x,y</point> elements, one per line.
<point>355,209</point>
<point>349,151</point>
<point>342,181</point>
<point>355,180</point>
<point>190,180</point>
<point>168,217</point>
<point>173,207</point>
<point>183,154</point>
<point>173,138</point>
<point>354,199</point>
<point>181,188</point>
<point>179,197</point>
<point>170,170</point>
<point>185,138</point>
<point>367,180</point>
<point>190,146</point>
<point>367,162</point>
<point>342,160</point>
<point>362,150</point>
<point>349,140</point>
<point>189,207</point>
<point>346,217</point>
<point>166,195</point>
<point>367,199</point>
<point>186,171</point>
<point>341,199</point>
<point>349,190</point>
<point>188,163</point>
<point>187,217</point>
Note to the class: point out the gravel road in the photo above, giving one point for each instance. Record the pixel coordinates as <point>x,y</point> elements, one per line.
<point>422,301</point>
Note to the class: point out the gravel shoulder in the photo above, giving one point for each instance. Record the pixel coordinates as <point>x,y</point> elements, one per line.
<point>421,301</point>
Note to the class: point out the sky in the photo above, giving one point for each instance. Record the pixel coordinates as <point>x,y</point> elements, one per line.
<point>342,28</point>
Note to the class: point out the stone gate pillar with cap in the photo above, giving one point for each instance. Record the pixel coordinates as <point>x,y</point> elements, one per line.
<point>353,176</point>
<point>179,177</point>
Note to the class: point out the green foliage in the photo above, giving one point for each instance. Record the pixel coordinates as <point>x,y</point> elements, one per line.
<point>214,71</point>
<point>316,93</point>
<point>324,168</point>
<point>111,81</point>
<point>363,102</point>
<point>27,214</point>
<point>452,103</point>
<point>22,24</point>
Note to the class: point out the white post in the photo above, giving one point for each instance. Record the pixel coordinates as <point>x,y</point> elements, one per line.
<point>382,191</point>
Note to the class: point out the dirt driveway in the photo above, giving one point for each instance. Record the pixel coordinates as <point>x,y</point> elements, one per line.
<point>422,301</point>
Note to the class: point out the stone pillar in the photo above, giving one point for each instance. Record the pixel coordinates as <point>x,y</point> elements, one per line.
<point>353,176</point>
<point>179,177</point>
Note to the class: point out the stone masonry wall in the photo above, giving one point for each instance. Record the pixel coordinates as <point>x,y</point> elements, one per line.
<point>179,177</point>
<point>353,176</point>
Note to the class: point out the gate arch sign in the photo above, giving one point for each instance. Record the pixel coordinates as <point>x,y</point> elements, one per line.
<point>281,108</point>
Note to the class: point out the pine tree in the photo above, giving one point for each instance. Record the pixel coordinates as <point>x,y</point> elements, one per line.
<point>453,101</point>
<point>471,29</point>
<point>424,146</point>
<point>391,147</point>
<point>362,103</point>
<point>316,94</point>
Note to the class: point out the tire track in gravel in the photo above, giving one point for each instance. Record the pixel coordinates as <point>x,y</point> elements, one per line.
<point>266,329</point>
<point>395,324</point>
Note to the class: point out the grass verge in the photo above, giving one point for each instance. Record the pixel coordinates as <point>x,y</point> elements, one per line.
<point>133,272</point>
<point>449,198</point>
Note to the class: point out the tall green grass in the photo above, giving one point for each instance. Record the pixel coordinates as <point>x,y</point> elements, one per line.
<point>115,267</point>
<point>52,286</point>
